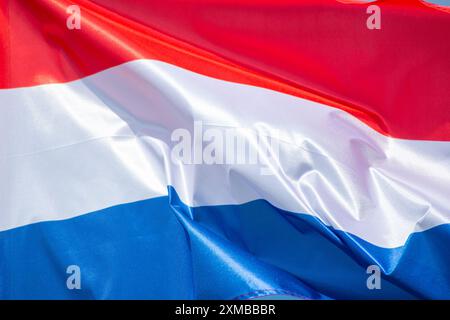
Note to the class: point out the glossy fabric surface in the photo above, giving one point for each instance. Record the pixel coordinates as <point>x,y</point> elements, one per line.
<point>351,128</point>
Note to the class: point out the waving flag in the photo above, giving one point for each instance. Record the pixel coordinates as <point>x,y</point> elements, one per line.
<point>214,149</point>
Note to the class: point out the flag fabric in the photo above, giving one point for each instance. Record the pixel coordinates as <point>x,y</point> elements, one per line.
<point>349,124</point>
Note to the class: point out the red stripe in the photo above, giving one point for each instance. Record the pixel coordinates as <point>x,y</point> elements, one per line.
<point>397,79</point>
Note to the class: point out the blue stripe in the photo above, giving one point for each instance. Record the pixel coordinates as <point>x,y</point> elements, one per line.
<point>162,249</point>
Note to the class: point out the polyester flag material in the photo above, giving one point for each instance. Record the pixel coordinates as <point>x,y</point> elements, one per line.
<point>216,149</point>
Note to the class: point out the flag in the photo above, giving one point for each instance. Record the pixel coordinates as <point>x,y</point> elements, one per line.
<point>208,149</point>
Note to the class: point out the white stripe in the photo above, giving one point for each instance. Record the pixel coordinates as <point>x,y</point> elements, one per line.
<point>70,149</point>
